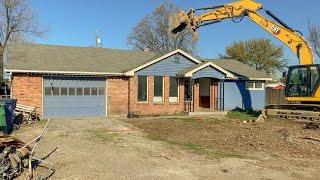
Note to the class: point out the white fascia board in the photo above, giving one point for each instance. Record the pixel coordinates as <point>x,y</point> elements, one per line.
<point>260,79</point>
<point>227,73</point>
<point>63,72</point>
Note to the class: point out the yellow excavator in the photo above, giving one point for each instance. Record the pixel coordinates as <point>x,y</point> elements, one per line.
<point>302,81</point>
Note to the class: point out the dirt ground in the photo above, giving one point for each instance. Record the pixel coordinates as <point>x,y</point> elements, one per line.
<point>126,149</point>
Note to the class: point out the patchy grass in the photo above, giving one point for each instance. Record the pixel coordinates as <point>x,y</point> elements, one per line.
<point>104,136</point>
<point>196,148</point>
<point>243,115</point>
<point>230,137</point>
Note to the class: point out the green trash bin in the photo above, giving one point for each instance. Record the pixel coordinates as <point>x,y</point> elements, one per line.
<point>3,123</point>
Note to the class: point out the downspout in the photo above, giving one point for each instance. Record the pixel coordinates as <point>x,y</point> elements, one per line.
<point>223,95</point>
<point>192,95</point>
<point>129,96</point>
<point>11,78</point>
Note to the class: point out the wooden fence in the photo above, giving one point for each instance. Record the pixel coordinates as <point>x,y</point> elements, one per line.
<point>275,96</point>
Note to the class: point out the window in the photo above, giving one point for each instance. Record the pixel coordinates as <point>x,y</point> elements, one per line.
<point>55,91</point>
<point>258,85</point>
<point>72,91</point>
<point>101,91</point>
<point>158,89</point>
<point>86,91</point>
<point>64,91</point>
<point>315,77</point>
<point>94,91</point>
<point>174,90</point>
<point>79,91</point>
<point>252,85</point>
<point>142,88</point>
<point>298,82</point>
<point>47,91</point>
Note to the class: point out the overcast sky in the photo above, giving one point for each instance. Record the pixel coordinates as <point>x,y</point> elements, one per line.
<point>73,22</point>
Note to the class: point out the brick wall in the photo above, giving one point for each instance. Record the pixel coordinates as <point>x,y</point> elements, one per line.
<point>196,95</point>
<point>150,107</point>
<point>118,95</point>
<point>214,94</point>
<point>27,89</point>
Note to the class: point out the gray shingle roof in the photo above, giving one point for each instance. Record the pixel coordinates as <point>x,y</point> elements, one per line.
<point>24,56</point>
<point>238,68</point>
<point>48,58</point>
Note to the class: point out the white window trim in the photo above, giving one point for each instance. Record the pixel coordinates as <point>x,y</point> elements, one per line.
<point>254,86</point>
<point>174,99</point>
<point>158,99</point>
<point>147,91</point>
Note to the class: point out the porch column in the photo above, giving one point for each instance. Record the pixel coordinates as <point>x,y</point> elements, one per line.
<point>196,94</point>
<point>214,94</point>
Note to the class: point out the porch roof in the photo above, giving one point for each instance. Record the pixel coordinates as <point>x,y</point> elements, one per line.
<point>206,69</point>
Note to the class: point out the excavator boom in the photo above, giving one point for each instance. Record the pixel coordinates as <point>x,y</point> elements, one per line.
<point>293,39</point>
<point>303,81</point>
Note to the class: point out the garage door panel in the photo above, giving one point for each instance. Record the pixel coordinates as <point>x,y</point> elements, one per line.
<point>74,97</point>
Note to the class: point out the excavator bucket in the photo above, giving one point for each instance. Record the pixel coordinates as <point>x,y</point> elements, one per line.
<point>178,22</point>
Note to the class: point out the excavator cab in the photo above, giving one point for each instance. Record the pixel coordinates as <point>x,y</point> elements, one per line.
<point>303,81</point>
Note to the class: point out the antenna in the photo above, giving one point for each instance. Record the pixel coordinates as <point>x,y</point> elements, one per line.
<point>98,40</point>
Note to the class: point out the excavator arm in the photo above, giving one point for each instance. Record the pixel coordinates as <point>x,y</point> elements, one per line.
<point>292,38</point>
<point>302,86</point>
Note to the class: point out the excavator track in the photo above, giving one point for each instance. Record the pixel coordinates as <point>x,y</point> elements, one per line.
<point>297,112</point>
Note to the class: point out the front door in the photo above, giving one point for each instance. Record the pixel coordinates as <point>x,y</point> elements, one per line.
<point>204,92</point>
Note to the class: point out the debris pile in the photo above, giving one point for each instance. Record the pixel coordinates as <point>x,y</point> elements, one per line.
<point>14,157</point>
<point>17,158</point>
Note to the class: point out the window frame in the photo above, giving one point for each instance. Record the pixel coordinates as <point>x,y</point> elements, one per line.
<point>254,88</point>
<point>45,91</point>
<point>171,98</point>
<point>62,91</point>
<point>156,99</point>
<point>53,92</point>
<point>82,91</point>
<point>147,99</point>
<point>86,93</point>
<point>99,91</point>
<point>74,91</point>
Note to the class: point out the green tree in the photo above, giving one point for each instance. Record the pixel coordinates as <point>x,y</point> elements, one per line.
<point>260,54</point>
<point>152,33</point>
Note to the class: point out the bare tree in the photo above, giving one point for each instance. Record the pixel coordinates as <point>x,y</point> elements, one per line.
<point>314,38</point>
<point>153,33</point>
<point>17,22</point>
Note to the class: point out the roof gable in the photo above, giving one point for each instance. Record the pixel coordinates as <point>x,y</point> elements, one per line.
<point>240,70</point>
<point>189,72</point>
<point>160,58</point>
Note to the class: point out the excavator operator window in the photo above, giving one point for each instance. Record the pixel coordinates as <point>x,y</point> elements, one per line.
<point>315,77</point>
<point>303,81</point>
<point>299,82</point>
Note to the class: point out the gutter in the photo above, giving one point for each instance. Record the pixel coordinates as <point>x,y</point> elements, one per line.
<point>64,72</point>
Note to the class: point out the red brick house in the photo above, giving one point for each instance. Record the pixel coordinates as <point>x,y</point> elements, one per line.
<point>64,81</point>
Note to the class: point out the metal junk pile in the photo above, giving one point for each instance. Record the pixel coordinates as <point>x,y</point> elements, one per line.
<point>17,158</point>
